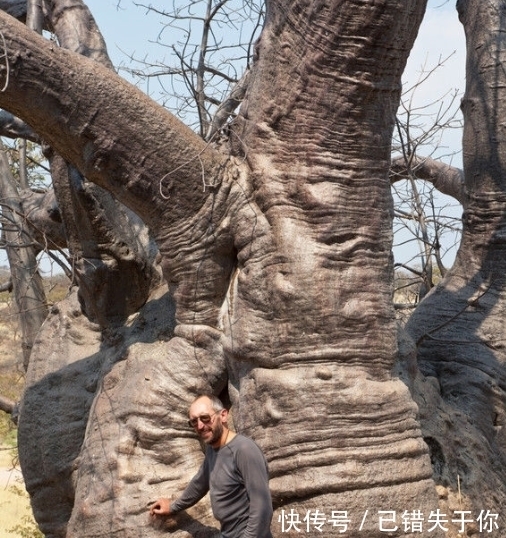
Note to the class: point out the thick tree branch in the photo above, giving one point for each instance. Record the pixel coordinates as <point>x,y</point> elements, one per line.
<point>446,179</point>
<point>43,217</point>
<point>147,158</point>
<point>12,127</point>
<point>227,107</point>
<point>35,15</point>
<point>76,29</point>
<point>113,266</point>
<point>15,8</point>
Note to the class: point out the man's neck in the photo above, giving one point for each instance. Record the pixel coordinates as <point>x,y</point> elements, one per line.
<point>226,436</point>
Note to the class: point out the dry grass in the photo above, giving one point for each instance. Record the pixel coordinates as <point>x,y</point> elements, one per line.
<point>14,502</point>
<point>13,508</point>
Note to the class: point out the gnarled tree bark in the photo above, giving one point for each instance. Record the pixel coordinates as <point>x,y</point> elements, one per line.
<point>278,260</point>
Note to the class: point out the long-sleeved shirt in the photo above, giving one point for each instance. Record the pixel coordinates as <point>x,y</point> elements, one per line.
<point>237,479</point>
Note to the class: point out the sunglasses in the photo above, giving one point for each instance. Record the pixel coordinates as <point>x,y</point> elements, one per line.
<point>205,419</point>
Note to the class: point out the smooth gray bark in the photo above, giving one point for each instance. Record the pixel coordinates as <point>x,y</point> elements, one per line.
<point>446,179</point>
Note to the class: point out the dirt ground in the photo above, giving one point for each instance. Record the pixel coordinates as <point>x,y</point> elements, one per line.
<point>14,503</point>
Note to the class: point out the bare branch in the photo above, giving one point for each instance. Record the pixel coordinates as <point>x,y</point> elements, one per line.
<point>209,64</point>
<point>29,291</point>
<point>227,107</point>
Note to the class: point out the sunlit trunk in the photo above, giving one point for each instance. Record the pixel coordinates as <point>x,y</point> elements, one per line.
<point>310,326</point>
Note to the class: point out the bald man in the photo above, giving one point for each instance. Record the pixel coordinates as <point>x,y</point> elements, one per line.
<point>234,472</point>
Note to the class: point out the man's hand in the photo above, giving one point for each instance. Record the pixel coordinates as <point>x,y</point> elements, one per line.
<point>160,507</point>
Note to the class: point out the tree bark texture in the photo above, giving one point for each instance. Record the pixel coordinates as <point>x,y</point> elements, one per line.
<point>43,219</point>
<point>278,259</point>
<point>13,127</point>
<point>458,329</point>
<point>446,179</point>
<point>312,316</point>
<point>113,257</point>
<point>15,8</point>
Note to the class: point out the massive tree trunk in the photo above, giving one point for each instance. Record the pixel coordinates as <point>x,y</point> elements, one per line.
<point>180,187</point>
<point>278,259</point>
<point>459,328</point>
<point>311,332</point>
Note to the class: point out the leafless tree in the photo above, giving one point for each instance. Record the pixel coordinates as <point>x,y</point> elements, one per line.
<point>428,193</point>
<point>206,76</point>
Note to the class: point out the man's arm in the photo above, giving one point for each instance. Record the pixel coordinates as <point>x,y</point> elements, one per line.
<point>194,491</point>
<point>253,468</point>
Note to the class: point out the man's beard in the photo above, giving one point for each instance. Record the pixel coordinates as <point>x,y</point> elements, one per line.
<point>217,432</point>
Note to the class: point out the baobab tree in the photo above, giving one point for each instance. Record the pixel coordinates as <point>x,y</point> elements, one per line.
<point>275,248</point>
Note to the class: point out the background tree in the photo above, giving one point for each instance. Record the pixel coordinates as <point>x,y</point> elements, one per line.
<point>276,250</point>
<point>208,74</point>
<point>428,192</point>
<point>458,330</point>
<point>21,251</point>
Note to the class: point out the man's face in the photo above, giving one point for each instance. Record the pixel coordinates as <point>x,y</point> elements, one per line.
<point>208,422</point>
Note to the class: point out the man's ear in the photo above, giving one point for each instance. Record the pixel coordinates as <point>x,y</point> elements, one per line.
<point>224,415</point>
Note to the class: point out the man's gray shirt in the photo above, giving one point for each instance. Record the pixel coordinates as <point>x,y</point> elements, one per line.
<point>237,478</point>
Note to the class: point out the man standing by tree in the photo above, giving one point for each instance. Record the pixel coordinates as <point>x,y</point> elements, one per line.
<point>234,471</point>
